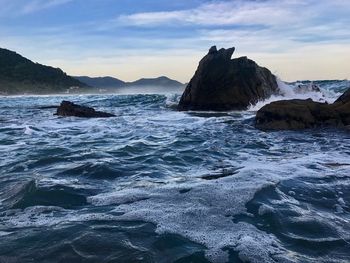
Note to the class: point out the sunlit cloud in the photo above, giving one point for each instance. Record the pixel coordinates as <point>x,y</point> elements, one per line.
<point>294,38</point>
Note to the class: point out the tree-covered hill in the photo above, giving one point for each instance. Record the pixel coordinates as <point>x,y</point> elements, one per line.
<point>19,75</point>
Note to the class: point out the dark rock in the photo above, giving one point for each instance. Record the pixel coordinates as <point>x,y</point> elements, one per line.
<point>342,106</point>
<point>68,108</point>
<point>304,114</point>
<point>345,98</point>
<point>221,83</point>
<point>213,50</point>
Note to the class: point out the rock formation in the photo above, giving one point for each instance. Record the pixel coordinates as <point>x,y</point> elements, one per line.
<point>221,83</point>
<point>68,108</point>
<point>303,114</point>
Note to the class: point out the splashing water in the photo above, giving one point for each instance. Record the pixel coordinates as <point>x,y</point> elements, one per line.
<point>321,91</point>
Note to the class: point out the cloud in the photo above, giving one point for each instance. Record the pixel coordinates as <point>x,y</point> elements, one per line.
<point>294,38</point>
<point>261,24</point>
<point>38,5</point>
<point>220,14</point>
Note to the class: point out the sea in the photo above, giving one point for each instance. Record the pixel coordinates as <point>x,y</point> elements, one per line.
<point>157,185</point>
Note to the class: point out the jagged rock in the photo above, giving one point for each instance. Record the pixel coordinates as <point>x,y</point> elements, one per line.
<point>304,114</point>
<point>68,108</point>
<point>221,83</point>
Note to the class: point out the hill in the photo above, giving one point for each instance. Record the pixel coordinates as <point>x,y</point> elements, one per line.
<point>101,82</point>
<point>19,75</point>
<point>156,82</point>
<point>111,82</point>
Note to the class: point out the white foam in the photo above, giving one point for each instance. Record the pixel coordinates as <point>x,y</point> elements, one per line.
<point>204,212</point>
<point>172,100</point>
<point>289,91</point>
<point>339,209</point>
<point>28,130</point>
<point>2,233</point>
<point>341,201</point>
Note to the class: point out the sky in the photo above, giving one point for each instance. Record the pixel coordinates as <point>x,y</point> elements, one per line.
<point>130,39</point>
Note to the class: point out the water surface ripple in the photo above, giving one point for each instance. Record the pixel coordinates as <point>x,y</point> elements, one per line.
<point>157,185</point>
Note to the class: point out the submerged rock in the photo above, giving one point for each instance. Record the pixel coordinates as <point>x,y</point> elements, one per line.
<point>68,108</point>
<point>303,114</point>
<point>221,83</point>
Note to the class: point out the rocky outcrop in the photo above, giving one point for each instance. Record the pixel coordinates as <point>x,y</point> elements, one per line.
<point>221,83</point>
<point>68,108</point>
<point>304,114</point>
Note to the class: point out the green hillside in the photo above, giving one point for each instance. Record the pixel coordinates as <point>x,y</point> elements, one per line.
<point>19,75</point>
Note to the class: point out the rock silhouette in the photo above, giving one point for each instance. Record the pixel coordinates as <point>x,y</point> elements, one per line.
<point>221,83</point>
<point>68,108</point>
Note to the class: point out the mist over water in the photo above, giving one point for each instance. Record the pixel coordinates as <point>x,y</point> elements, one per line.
<point>157,185</point>
<point>143,90</point>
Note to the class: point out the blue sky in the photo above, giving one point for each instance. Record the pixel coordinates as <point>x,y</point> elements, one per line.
<point>130,39</point>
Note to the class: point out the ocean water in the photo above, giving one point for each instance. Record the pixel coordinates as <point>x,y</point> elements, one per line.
<point>157,185</point>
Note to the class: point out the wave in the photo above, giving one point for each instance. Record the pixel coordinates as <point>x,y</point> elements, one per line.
<point>24,194</point>
<point>320,91</point>
<point>208,178</point>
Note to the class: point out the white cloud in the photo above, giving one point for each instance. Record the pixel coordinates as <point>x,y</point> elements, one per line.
<point>38,5</point>
<point>295,39</point>
<point>301,20</point>
<point>222,13</point>
<point>13,8</point>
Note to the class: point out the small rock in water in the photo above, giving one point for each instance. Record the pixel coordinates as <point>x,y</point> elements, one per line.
<point>68,108</point>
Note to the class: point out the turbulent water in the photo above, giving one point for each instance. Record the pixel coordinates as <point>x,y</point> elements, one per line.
<point>157,185</point>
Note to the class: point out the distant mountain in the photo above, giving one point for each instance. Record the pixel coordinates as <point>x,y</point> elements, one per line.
<point>110,82</point>
<point>20,75</point>
<point>155,82</point>
<point>102,82</point>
